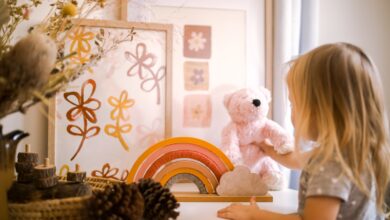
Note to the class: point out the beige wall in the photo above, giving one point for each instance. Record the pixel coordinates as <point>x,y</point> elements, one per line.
<point>361,22</point>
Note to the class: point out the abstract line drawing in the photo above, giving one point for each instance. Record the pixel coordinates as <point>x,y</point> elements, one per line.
<point>110,173</point>
<point>80,45</point>
<point>84,106</point>
<point>197,111</point>
<point>196,75</point>
<point>120,105</point>
<point>150,135</point>
<point>143,62</point>
<point>197,41</point>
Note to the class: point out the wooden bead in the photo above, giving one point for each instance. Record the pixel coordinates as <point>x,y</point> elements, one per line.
<point>76,176</point>
<point>23,167</point>
<point>45,170</point>
<point>44,183</point>
<point>27,156</point>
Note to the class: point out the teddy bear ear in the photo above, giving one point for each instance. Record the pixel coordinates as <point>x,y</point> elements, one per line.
<point>226,100</point>
<point>266,93</point>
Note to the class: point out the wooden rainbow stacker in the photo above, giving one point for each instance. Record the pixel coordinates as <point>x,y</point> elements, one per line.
<point>191,159</point>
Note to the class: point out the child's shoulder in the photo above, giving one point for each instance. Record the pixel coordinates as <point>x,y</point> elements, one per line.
<point>317,165</point>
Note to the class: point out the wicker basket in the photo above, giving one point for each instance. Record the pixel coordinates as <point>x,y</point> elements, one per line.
<point>68,208</point>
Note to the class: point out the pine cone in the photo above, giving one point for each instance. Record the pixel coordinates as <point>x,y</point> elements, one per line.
<point>160,204</point>
<point>119,201</point>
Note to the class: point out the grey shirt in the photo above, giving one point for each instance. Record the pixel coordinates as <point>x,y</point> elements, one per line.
<point>328,180</point>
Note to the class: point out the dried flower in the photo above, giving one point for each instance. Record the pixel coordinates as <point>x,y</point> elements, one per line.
<point>33,57</point>
<point>4,13</point>
<point>35,69</point>
<point>26,14</point>
<point>69,9</point>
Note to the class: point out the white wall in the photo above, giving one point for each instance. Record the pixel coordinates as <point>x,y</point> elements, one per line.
<point>364,23</point>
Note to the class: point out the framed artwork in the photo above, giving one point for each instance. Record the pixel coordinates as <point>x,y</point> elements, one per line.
<point>217,48</point>
<point>113,112</point>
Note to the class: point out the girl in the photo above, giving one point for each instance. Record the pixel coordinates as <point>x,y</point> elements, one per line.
<point>337,102</point>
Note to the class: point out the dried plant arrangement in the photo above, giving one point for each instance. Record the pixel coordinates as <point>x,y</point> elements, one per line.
<point>36,67</point>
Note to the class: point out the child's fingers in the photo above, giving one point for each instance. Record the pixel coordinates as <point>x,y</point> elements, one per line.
<point>224,213</point>
<point>253,201</point>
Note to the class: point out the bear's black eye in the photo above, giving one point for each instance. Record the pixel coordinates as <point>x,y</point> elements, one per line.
<point>256,102</point>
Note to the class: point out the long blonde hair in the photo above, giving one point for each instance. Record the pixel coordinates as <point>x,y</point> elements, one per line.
<point>336,93</point>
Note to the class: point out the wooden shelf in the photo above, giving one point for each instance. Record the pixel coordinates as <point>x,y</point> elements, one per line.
<point>197,197</point>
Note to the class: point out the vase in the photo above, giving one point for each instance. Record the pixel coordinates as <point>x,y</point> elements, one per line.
<point>8,145</point>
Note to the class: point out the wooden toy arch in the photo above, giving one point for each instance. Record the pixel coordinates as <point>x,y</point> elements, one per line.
<point>174,157</point>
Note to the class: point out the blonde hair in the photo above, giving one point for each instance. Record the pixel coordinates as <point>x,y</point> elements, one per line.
<point>336,91</point>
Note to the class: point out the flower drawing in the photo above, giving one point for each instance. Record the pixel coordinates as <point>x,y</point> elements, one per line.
<point>197,76</point>
<point>110,173</point>
<point>197,41</point>
<point>84,105</point>
<point>142,64</point>
<point>197,112</point>
<point>80,45</point>
<point>118,114</point>
<point>143,61</point>
<point>106,172</point>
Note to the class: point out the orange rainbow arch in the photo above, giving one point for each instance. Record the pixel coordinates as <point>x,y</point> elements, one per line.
<point>182,157</point>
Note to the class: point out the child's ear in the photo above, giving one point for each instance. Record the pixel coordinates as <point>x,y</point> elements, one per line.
<point>226,99</point>
<point>266,93</point>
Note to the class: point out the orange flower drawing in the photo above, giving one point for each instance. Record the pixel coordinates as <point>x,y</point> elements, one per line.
<point>110,173</point>
<point>84,106</point>
<point>106,172</point>
<point>80,45</point>
<point>120,105</point>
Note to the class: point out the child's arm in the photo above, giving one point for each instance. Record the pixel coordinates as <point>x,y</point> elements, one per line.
<point>293,160</point>
<point>316,208</point>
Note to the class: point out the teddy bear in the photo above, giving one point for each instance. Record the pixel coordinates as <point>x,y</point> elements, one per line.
<point>250,126</point>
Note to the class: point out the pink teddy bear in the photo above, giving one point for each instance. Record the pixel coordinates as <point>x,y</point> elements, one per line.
<point>249,126</point>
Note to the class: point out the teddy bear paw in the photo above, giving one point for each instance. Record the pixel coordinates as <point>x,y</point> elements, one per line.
<point>234,157</point>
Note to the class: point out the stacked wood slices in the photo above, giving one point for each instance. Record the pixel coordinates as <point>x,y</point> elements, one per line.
<point>39,181</point>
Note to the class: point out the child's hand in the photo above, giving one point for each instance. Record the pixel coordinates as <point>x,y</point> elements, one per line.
<point>267,147</point>
<point>240,212</point>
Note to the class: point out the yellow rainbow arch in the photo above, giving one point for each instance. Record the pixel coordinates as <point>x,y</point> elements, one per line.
<point>182,155</point>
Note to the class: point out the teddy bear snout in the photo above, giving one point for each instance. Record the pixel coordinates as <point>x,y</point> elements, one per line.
<point>256,102</point>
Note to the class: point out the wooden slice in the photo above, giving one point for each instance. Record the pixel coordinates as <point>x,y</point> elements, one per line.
<point>27,156</point>
<point>44,183</point>
<point>24,167</point>
<point>25,178</point>
<point>24,157</point>
<point>76,176</point>
<point>45,170</point>
<point>68,189</point>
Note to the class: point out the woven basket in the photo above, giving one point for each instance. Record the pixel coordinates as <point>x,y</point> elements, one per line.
<point>68,208</point>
